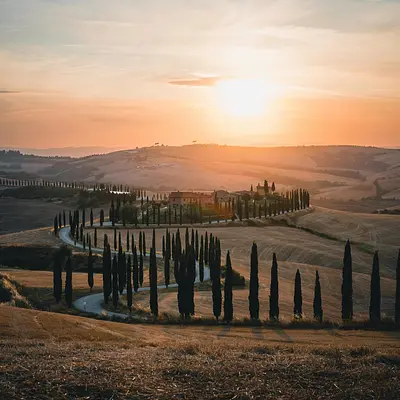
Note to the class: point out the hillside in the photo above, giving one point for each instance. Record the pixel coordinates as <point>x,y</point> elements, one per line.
<point>334,172</point>
<point>47,356</point>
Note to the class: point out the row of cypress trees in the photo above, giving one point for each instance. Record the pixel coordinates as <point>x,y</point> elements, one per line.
<point>128,272</point>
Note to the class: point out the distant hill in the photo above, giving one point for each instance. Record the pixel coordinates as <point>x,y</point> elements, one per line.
<point>344,172</point>
<point>63,151</point>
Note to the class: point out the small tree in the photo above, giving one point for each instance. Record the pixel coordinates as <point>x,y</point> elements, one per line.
<point>228,297</point>
<point>68,282</point>
<point>274,291</point>
<point>254,304</point>
<point>298,298</point>
<point>375,300</point>
<point>317,304</point>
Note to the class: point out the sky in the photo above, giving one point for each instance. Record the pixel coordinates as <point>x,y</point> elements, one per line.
<point>125,73</point>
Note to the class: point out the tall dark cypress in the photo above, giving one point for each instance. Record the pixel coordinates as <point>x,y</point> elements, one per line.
<point>167,265</point>
<point>135,270</point>
<point>397,304</point>
<point>91,217</point>
<point>68,282</point>
<point>274,291</point>
<point>115,281</point>
<point>347,284</point>
<point>140,243</point>
<point>191,277</point>
<point>201,260</point>
<point>216,280</point>
<point>197,245</point>
<point>106,272</point>
<point>163,246</point>
<point>115,240</point>
<point>228,294</point>
<point>144,244</point>
<point>141,270</point>
<point>95,237</point>
<point>90,269</point>
<point>182,285</point>
<point>254,304</point>
<point>119,240</point>
<point>206,248</point>
<point>317,304</point>
<point>127,241</point>
<point>129,284</point>
<point>153,283</point>
<point>375,300</point>
<point>298,298</point>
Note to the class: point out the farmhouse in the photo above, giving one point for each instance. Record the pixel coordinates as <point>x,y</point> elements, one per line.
<point>184,198</point>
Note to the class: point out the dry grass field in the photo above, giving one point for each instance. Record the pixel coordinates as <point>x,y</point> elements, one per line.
<point>37,237</point>
<point>48,356</point>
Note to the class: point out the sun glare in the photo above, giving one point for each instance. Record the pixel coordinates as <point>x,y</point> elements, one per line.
<point>244,97</point>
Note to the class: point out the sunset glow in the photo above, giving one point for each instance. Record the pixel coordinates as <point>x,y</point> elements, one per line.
<point>135,73</point>
<point>244,97</point>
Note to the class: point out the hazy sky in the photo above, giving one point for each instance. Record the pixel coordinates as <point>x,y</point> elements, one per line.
<point>127,73</point>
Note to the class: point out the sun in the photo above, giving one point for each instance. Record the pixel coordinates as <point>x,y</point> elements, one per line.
<point>244,97</point>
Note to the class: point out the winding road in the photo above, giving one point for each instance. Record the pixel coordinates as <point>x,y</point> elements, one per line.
<point>93,302</point>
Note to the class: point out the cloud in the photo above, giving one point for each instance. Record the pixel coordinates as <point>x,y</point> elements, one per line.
<point>196,82</point>
<point>3,91</point>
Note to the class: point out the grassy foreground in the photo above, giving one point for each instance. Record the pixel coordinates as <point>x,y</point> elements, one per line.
<point>47,355</point>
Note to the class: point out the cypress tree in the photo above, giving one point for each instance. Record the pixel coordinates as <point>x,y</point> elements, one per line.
<point>135,270</point>
<point>375,300</point>
<point>115,240</point>
<point>101,217</point>
<point>192,239</point>
<point>119,240</point>
<point>228,296</point>
<point>197,245</point>
<point>55,225</point>
<point>317,304</point>
<point>106,272</point>
<point>201,260</point>
<point>298,298</point>
<point>64,219</point>
<point>129,284</point>
<point>397,305</point>
<point>153,283</point>
<point>182,285</point>
<point>121,271</point>
<point>127,241</point>
<point>68,282</point>
<point>274,291</point>
<point>57,276</point>
<point>347,284</point>
<point>144,244</point>
<point>84,217</point>
<point>140,243</point>
<point>115,282</point>
<point>206,248</point>
<point>163,246</point>
<point>91,217</point>
<point>141,273</point>
<point>254,304</point>
<point>90,270</point>
<point>177,255</point>
<point>216,280</point>
<point>167,265</point>
<point>95,237</point>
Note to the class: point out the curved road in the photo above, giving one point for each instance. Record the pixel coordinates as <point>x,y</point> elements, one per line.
<point>92,303</point>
